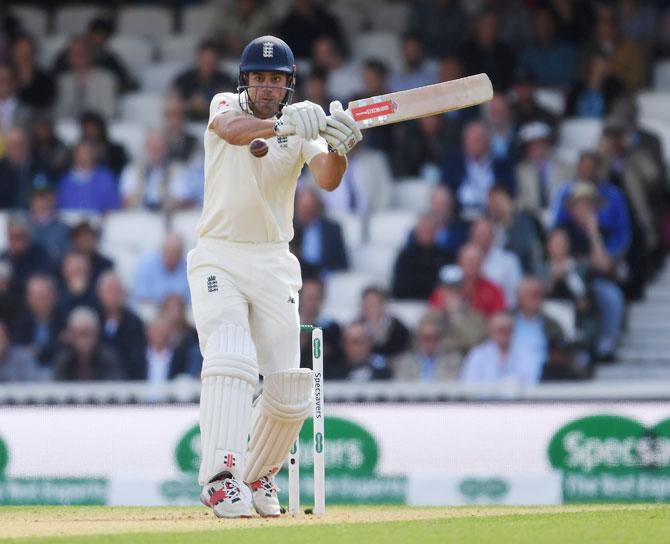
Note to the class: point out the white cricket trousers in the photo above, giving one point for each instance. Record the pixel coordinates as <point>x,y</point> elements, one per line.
<point>252,285</point>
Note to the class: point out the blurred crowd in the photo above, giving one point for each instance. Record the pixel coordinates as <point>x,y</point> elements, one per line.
<point>511,220</point>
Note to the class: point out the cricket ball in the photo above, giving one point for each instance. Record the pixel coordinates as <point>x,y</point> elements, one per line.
<point>258,147</point>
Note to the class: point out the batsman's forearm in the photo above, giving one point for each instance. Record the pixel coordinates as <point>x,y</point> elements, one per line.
<point>242,129</point>
<point>328,169</point>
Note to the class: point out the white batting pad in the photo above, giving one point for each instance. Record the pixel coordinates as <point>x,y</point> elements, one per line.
<point>278,416</point>
<point>229,379</point>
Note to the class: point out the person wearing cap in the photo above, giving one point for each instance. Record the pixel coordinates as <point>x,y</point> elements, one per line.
<point>48,230</point>
<point>525,106</point>
<point>541,174</point>
<point>84,239</point>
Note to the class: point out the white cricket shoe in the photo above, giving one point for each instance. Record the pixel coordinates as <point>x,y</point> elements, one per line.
<point>228,498</point>
<point>265,498</point>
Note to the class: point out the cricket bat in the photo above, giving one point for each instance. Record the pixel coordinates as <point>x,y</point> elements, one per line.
<point>421,102</point>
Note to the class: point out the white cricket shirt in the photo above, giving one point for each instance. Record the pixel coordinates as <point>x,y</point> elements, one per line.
<point>250,199</point>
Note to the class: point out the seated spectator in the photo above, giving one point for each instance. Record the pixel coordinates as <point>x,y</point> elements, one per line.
<point>109,154</point>
<point>515,231</point>
<point>342,77</point>
<point>305,23</point>
<point>155,183</point>
<point>17,364</point>
<point>318,240</point>
<point>452,232</point>
<point>48,151</point>
<point>17,170</point>
<point>25,256</point>
<point>596,93</point>
<point>552,60</point>
<point>35,86</point>
<point>84,238</point>
<point>374,76</point>
<point>541,175</point>
<point>427,360</point>
<point>483,295</point>
<point>601,248</point>
<point>389,335</point>
<point>121,328</point>
<point>13,113</point>
<point>502,130</point>
<point>359,363</point>
<point>471,173</point>
<point>310,310</point>
<point>462,326</point>
<point>416,72</point>
<point>180,144</point>
<point>76,288</point>
<point>525,106</point>
<point>88,186</point>
<point>235,26</point>
<point>161,273</point>
<point>416,267</point>
<point>84,86</point>
<point>315,88</point>
<point>440,23</point>
<point>198,85</point>
<point>164,361</point>
<point>183,336</point>
<point>499,360</point>
<point>48,230</point>
<point>83,357</point>
<point>39,326</point>
<point>486,52</point>
<point>10,304</point>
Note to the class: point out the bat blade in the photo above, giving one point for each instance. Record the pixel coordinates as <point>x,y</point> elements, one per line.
<point>422,101</point>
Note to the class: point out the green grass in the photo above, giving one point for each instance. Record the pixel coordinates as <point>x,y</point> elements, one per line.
<point>610,524</point>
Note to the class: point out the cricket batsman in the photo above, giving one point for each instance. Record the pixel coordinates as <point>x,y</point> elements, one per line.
<point>244,281</point>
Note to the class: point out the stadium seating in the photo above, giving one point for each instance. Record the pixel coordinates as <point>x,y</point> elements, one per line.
<point>384,46</point>
<point>197,20</point>
<point>33,19</point>
<point>661,128</point>
<point>389,17</point>
<point>391,228</point>
<point>563,312</point>
<point>74,19</point>
<point>132,135</point>
<point>580,134</point>
<point>159,76</point>
<point>552,99</point>
<point>343,294</point>
<point>178,48</point>
<point>662,75</point>
<point>654,104</point>
<point>50,47</point>
<point>4,217</point>
<point>411,194</point>
<point>184,223</point>
<point>145,108</point>
<point>375,260</point>
<point>409,312</point>
<point>135,52</point>
<point>149,21</point>
<point>352,228</point>
<point>67,130</point>
<point>132,230</point>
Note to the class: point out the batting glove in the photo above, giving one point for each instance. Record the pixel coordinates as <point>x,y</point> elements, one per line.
<point>307,118</point>
<point>341,132</point>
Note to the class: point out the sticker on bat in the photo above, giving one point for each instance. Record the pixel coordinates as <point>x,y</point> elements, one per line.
<point>370,111</point>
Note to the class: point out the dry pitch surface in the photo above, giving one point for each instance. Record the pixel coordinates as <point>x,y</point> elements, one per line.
<point>167,525</point>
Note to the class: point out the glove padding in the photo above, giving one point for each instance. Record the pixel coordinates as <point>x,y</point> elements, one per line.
<point>341,132</point>
<point>306,118</point>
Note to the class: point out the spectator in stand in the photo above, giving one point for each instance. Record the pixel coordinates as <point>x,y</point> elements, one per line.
<point>48,151</point>
<point>359,363</point>
<point>343,77</point>
<point>76,288</point>
<point>486,52</point>
<point>163,360</point>
<point>24,255</point>
<point>600,237</point>
<point>389,335</point>
<point>452,232</point>
<point>515,231</point>
<point>316,89</point>
<point>318,241</point>
<point>552,60</point>
<point>441,23</point>
<point>13,112</point>
<point>10,304</point>
<point>310,311</point>
<point>85,87</point>
<point>502,131</point>
<point>17,170</point>
<point>161,273</point>
<point>235,26</point>
<point>305,23</point>
<point>156,183</point>
<point>416,72</point>
<point>198,85</point>
<point>597,92</point>
<point>181,145</point>
<point>84,238</point>
<point>638,21</point>
<point>48,230</point>
<point>17,364</point>
<point>88,186</point>
<point>541,175</point>
<point>39,326</point>
<point>96,40</point>
<point>499,360</point>
<point>109,154</point>
<point>35,87</point>
<point>427,360</point>
<point>462,326</point>
<point>525,106</point>
<point>498,265</point>
<point>416,267</point>
<point>471,173</point>
<point>121,328</point>
<point>183,336</point>
<point>83,357</point>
